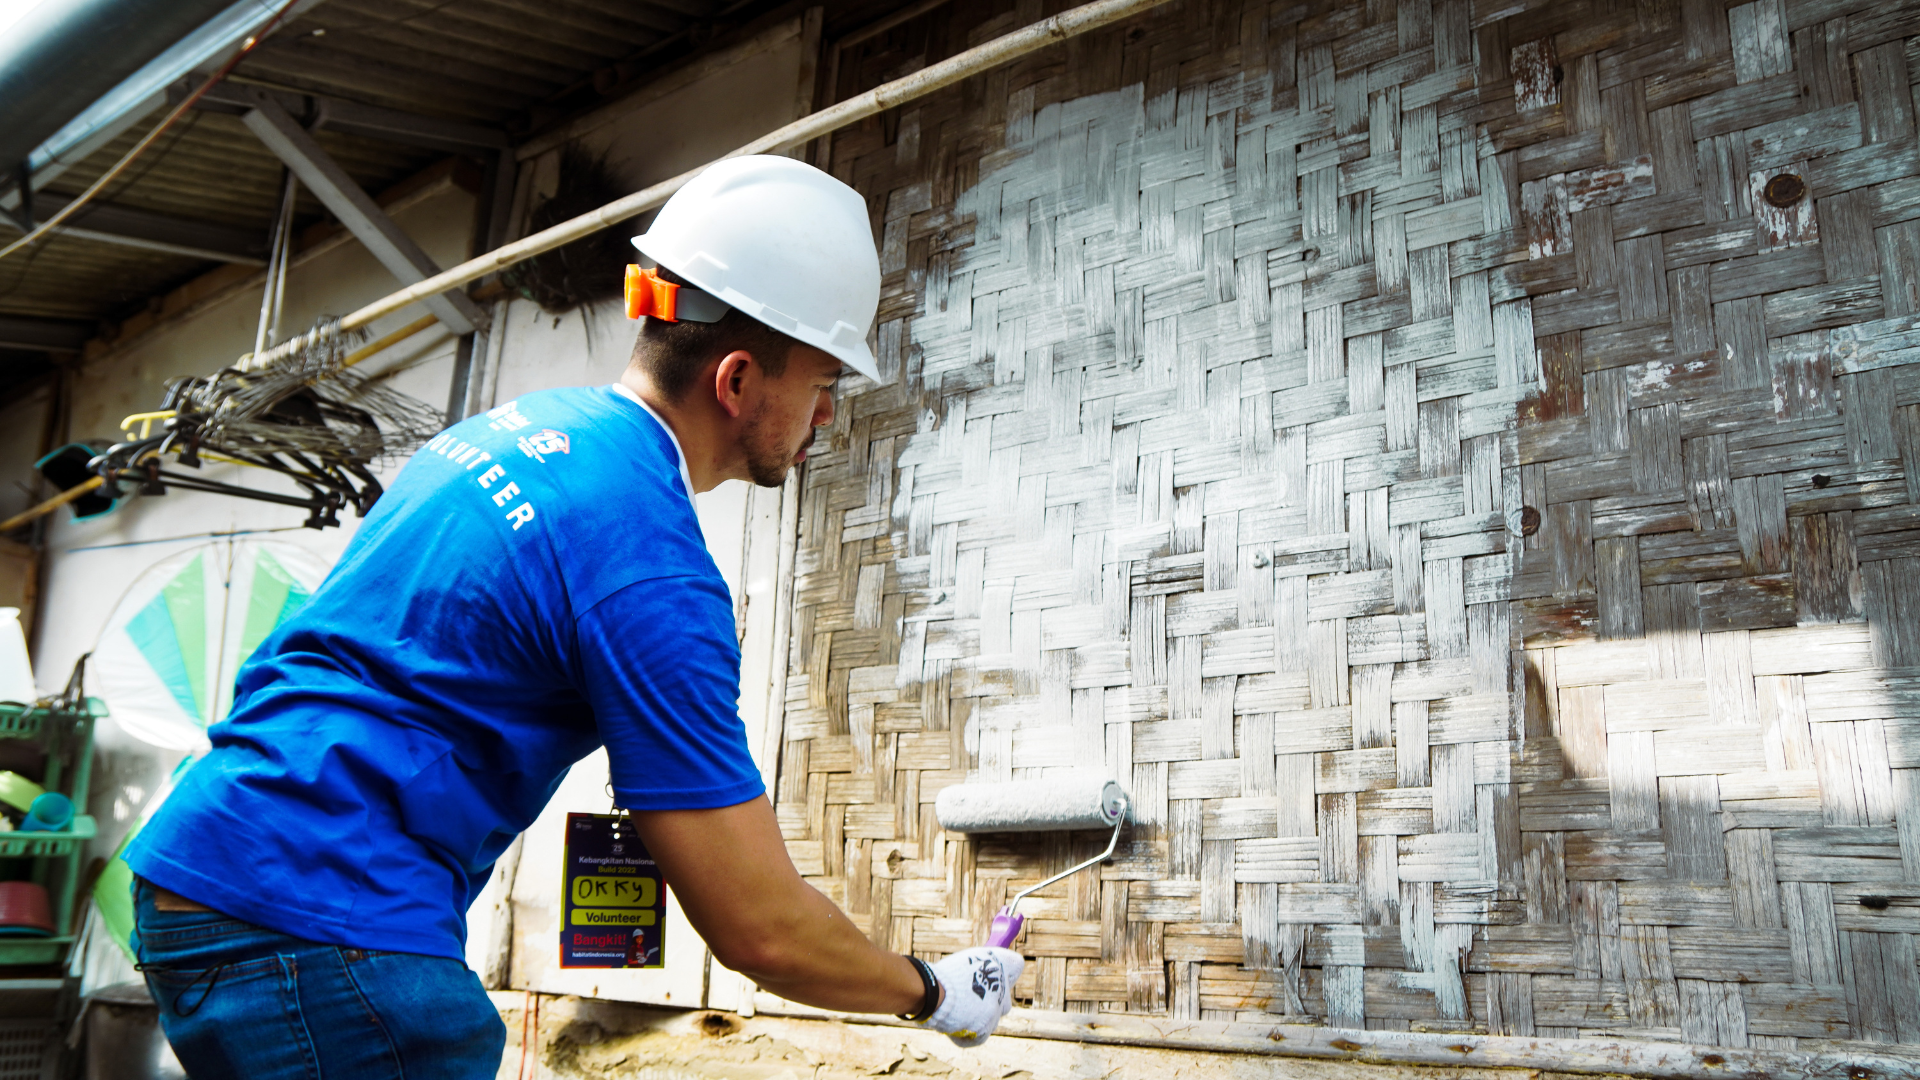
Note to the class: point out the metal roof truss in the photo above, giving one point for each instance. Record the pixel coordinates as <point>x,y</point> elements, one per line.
<point>404,259</point>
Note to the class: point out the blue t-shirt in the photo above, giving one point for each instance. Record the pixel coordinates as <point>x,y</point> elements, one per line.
<point>533,585</point>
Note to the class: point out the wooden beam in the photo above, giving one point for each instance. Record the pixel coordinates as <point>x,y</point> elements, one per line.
<point>33,513</point>
<point>1056,1044</point>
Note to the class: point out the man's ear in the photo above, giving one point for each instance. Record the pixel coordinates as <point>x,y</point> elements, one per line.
<point>730,380</point>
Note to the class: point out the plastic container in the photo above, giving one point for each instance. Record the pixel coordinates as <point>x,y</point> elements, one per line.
<point>25,909</point>
<point>16,671</point>
<point>19,792</point>
<point>51,812</point>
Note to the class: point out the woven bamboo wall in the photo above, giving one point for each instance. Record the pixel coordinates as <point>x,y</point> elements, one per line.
<point>1385,437</point>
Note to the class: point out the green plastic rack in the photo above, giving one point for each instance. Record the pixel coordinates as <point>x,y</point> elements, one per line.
<point>59,857</point>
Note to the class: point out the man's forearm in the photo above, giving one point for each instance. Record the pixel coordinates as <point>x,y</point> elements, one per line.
<point>821,958</point>
<point>730,870</point>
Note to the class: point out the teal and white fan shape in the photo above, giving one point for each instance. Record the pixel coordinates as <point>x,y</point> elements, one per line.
<point>168,655</point>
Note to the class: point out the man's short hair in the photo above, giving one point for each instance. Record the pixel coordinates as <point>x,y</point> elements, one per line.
<point>672,353</point>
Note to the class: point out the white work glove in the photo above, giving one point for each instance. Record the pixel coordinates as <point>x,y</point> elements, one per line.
<point>978,985</point>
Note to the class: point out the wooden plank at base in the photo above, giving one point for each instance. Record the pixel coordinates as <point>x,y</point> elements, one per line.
<point>1614,1057</point>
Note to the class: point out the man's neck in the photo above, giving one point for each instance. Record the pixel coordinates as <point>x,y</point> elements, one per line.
<point>694,446</point>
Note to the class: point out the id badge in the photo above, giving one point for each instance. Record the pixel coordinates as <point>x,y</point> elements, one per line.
<point>615,911</point>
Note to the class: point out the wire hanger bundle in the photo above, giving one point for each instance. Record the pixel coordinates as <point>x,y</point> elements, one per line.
<point>306,416</point>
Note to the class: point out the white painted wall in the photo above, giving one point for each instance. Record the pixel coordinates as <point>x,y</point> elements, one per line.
<point>89,564</point>
<point>648,137</point>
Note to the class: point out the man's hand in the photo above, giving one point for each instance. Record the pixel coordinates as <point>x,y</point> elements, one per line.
<point>977,991</point>
<point>730,870</point>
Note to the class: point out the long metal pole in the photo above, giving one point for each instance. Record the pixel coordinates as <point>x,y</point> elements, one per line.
<point>981,58</point>
<point>277,257</point>
<point>286,259</point>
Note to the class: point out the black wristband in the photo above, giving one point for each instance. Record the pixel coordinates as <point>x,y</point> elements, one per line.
<point>932,1000</point>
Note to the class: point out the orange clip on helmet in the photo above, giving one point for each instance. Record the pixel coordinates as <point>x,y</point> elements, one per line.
<point>647,295</point>
<point>778,241</point>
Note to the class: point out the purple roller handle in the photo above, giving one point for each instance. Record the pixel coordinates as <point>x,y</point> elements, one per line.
<point>1006,927</point>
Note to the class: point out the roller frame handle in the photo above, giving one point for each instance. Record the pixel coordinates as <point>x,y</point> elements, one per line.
<point>1007,923</point>
<point>1006,927</point>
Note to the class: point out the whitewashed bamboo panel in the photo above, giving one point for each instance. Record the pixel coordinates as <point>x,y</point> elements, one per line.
<point>1403,444</point>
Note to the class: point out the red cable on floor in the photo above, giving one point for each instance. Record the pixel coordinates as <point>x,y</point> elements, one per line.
<point>529,1034</point>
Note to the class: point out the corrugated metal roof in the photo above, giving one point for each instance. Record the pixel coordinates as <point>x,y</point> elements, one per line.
<point>514,65</point>
<point>210,170</point>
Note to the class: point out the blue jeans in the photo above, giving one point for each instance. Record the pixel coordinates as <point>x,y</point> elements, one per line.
<point>241,1001</point>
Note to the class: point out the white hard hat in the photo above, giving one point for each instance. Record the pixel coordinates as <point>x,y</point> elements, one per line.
<point>783,242</point>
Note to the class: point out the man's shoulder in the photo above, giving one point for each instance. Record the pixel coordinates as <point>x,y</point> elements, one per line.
<point>600,475</point>
<point>585,408</point>
<point>576,454</point>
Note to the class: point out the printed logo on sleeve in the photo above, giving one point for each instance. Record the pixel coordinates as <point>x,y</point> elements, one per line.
<point>460,453</point>
<point>507,417</point>
<point>546,441</point>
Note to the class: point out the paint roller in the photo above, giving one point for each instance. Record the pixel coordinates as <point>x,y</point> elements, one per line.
<point>1033,806</point>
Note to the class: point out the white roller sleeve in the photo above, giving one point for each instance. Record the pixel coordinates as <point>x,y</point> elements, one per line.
<point>1031,806</point>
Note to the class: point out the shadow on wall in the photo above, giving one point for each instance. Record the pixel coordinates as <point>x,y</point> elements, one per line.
<point>1726,658</point>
